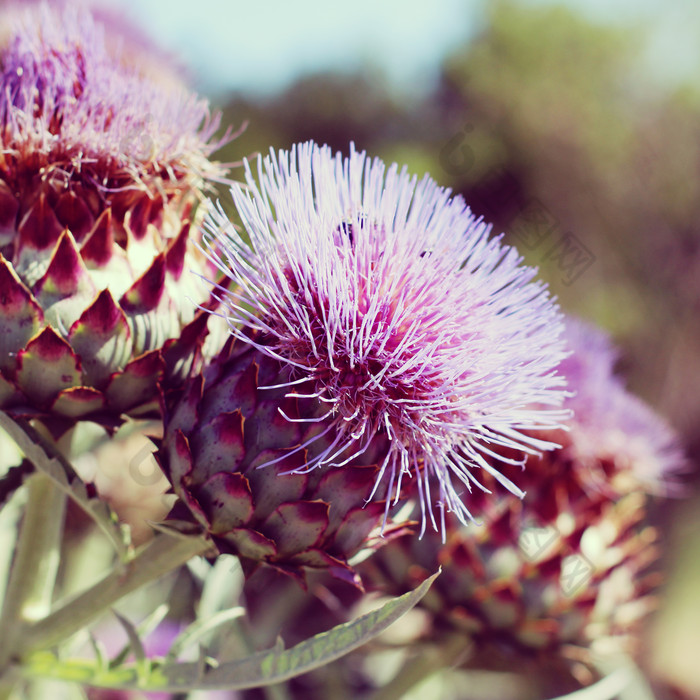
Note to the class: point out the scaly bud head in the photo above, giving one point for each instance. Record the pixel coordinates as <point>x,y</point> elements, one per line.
<point>239,449</point>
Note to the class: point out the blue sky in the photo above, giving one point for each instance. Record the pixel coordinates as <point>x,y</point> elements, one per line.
<point>263,46</point>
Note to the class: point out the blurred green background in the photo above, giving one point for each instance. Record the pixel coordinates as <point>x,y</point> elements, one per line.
<point>575,130</point>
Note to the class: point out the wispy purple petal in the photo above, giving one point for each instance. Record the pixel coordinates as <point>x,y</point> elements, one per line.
<point>609,423</point>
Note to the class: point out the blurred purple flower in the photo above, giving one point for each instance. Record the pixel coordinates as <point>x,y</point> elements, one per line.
<point>77,105</point>
<point>398,312</point>
<point>611,425</point>
<point>156,646</point>
<point>574,562</point>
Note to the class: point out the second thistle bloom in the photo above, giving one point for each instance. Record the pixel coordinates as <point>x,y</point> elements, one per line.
<point>396,310</point>
<point>574,563</point>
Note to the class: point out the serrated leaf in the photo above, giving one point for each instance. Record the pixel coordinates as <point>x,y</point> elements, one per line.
<point>261,669</point>
<point>60,471</point>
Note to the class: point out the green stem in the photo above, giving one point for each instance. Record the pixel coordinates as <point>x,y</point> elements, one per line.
<point>7,685</point>
<point>418,669</point>
<point>279,691</point>
<point>37,556</point>
<point>160,556</point>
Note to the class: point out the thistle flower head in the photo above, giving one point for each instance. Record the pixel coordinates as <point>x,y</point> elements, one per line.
<point>397,311</point>
<point>81,109</point>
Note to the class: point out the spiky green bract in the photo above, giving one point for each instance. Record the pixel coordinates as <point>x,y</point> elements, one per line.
<point>406,317</point>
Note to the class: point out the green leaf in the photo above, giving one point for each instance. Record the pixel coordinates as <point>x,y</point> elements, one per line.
<point>264,668</point>
<point>99,651</point>
<point>135,645</point>
<point>49,461</point>
<point>13,479</point>
<point>143,629</point>
<point>222,584</point>
<point>201,628</point>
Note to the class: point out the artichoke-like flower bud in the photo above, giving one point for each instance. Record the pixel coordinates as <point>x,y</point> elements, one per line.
<point>570,564</point>
<point>393,308</point>
<point>101,167</point>
<point>239,451</point>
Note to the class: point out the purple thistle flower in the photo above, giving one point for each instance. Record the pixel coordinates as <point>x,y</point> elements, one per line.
<point>397,311</point>
<point>611,425</point>
<point>80,106</point>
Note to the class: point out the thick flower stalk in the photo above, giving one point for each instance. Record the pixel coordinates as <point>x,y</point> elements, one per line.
<point>394,311</point>
<point>101,167</point>
<point>570,564</point>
